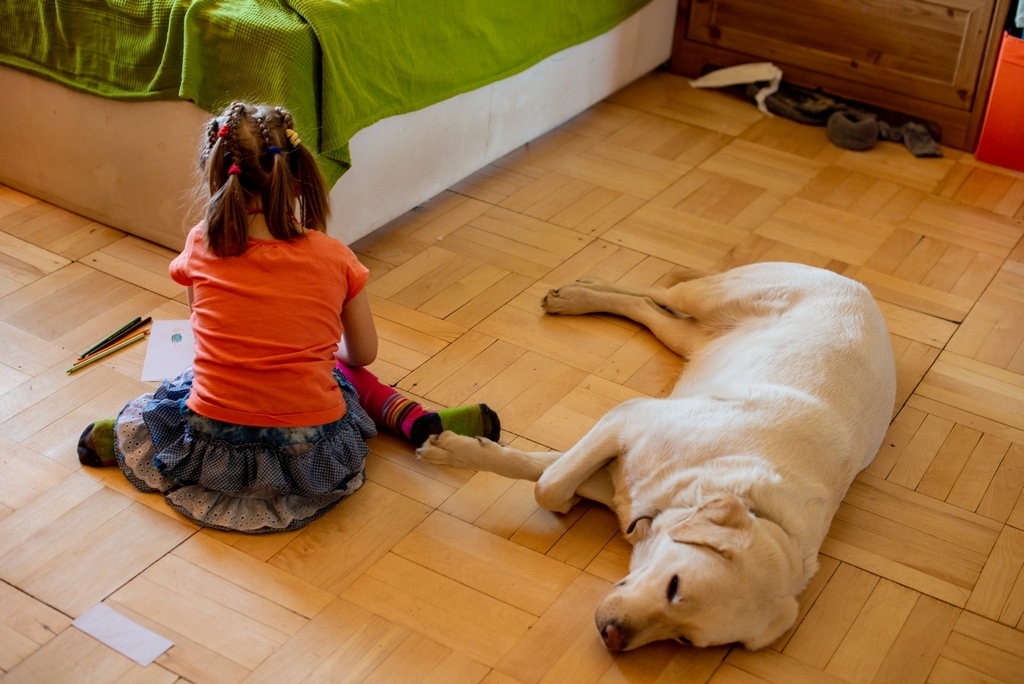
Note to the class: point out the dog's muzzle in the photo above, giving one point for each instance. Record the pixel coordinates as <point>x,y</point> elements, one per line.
<point>614,637</point>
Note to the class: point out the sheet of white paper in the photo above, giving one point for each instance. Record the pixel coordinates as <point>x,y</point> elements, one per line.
<point>170,350</point>
<point>128,638</point>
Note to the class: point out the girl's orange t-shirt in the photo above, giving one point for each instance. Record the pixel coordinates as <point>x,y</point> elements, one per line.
<point>267,323</point>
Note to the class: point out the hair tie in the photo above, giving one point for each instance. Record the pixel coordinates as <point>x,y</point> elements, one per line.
<point>224,131</point>
<point>274,150</point>
<point>293,137</point>
<point>234,170</point>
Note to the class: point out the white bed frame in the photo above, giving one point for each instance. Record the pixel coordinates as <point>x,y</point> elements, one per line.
<point>131,165</point>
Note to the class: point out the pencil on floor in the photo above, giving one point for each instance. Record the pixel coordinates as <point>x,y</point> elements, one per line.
<point>82,363</point>
<point>131,331</point>
<point>111,337</point>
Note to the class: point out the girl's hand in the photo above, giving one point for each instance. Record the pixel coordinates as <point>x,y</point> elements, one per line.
<point>359,340</point>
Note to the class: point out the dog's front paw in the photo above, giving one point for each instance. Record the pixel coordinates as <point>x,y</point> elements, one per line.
<point>450,449</point>
<point>551,500</point>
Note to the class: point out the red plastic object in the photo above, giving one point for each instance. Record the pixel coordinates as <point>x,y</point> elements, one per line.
<point>1002,134</point>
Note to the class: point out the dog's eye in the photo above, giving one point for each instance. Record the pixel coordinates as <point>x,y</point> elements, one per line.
<point>683,640</point>
<point>673,587</point>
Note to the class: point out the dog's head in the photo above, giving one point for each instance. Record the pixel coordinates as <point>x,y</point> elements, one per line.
<point>712,575</point>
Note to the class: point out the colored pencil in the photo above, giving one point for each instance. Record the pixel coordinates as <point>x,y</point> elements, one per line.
<point>111,337</point>
<point>110,347</point>
<point>100,351</point>
<point>130,332</point>
<point>82,363</point>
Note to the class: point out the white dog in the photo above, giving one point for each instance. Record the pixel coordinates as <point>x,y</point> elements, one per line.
<point>726,489</point>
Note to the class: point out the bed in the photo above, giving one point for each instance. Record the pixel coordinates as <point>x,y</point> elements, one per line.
<point>127,159</point>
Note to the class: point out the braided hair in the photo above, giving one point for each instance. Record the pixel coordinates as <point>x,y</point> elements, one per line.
<point>252,155</point>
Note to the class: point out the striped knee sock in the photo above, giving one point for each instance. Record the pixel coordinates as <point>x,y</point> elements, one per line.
<point>400,414</point>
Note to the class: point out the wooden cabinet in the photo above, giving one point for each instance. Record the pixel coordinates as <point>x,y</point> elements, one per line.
<point>929,59</point>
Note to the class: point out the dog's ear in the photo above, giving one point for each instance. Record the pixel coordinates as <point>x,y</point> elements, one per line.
<point>639,529</point>
<point>720,524</point>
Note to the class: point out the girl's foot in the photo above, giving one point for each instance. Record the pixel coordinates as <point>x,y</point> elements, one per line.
<point>476,420</point>
<point>390,408</point>
<point>96,445</point>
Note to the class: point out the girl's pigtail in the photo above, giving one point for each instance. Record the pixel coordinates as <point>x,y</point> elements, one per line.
<point>226,218</point>
<point>279,200</point>
<point>279,190</point>
<point>315,207</point>
<point>229,235</point>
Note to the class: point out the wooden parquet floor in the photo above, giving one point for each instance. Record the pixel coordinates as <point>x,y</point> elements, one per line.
<point>446,576</point>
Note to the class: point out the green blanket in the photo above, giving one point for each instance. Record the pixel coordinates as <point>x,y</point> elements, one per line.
<point>338,65</point>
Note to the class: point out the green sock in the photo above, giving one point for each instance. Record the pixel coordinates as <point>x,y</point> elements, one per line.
<point>96,445</point>
<point>477,420</point>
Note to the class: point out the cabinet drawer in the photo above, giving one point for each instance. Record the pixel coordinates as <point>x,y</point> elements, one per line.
<point>928,50</point>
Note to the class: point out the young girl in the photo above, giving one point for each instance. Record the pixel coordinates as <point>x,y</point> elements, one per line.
<point>267,430</point>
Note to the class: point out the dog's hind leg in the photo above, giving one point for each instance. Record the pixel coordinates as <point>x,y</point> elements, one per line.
<point>476,453</point>
<point>715,301</point>
<point>700,298</point>
<point>656,294</point>
<point>754,291</point>
<point>678,334</point>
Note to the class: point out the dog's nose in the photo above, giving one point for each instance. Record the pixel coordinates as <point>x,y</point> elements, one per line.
<point>613,637</point>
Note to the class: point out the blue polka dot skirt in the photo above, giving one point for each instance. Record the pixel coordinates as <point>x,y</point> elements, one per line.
<point>236,477</point>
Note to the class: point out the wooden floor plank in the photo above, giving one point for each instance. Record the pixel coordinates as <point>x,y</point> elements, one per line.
<point>919,643</point>
<point>997,595</point>
<point>486,562</point>
<point>429,603</point>
<point>976,387</point>
<point>78,569</point>
<point>823,628</point>
<point>559,627</point>
<point>74,657</point>
<point>334,551</point>
<point>25,625</point>
<point>873,633</point>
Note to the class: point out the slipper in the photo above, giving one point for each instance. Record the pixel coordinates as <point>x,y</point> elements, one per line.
<point>853,130</point>
<point>797,104</point>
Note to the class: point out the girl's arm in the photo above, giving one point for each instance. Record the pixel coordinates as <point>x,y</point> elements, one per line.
<point>188,296</point>
<point>359,340</point>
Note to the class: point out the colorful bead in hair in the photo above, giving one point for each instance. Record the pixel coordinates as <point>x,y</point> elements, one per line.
<point>293,137</point>
<point>234,170</point>
<point>224,131</point>
<point>274,150</point>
